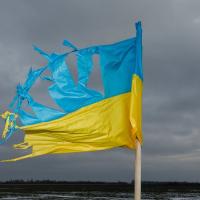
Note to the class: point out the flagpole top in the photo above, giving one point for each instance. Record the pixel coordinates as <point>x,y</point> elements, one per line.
<point>138,26</point>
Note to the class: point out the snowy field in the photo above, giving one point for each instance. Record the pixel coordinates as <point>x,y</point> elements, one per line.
<point>98,196</point>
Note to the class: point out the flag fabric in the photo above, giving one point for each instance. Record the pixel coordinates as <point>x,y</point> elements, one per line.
<point>87,120</point>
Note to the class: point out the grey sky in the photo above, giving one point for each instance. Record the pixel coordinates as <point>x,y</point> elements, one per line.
<point>171,106</point>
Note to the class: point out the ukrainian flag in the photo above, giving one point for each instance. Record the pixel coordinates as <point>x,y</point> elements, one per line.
<point>88,120</point>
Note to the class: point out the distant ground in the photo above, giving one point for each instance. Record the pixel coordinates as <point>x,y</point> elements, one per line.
<point>31,186</point>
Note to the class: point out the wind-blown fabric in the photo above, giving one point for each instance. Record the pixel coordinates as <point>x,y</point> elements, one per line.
<point>87,120</point>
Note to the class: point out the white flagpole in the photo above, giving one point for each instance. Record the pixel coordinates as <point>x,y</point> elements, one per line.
<point>138,171</point>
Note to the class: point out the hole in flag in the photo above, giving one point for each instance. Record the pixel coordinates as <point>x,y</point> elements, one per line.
<point>95,79</point>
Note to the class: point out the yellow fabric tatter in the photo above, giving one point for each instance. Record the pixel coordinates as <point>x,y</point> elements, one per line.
<point>136,107</point>
<point>9,122</point>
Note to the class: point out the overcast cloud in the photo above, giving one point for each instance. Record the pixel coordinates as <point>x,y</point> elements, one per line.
<point>171,106</point>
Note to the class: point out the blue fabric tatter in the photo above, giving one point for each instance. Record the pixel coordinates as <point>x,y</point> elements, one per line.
<point>44,54</point>
<point>69,95</point>
<point>69,44</point>
<point>85,64</point>
<point>42,113</point>
<point>22,90</point>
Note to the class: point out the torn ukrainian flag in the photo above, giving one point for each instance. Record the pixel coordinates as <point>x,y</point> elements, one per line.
<point>89,121</point>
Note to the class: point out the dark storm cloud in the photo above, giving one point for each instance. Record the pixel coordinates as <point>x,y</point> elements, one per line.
<point>171,106</point>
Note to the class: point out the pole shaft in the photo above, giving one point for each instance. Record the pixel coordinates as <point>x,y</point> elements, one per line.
<point>138,171</point>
